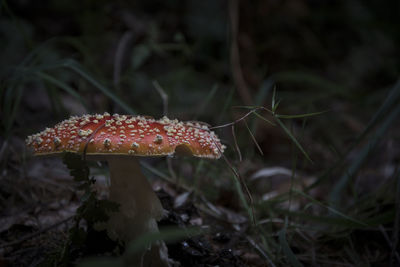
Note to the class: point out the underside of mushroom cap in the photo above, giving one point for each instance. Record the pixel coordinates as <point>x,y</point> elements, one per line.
<point>116,134</point>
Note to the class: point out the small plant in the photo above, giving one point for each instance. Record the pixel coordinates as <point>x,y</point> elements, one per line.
<point>84,239</point>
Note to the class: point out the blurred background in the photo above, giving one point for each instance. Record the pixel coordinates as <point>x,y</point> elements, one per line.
<point>325,189</point>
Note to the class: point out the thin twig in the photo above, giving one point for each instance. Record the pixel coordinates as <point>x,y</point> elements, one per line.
<point>235,141</point>
<point>238,120</point>
<point>233,170</point>
<point>240,179</point>
<point>237,73</point>
<point>254,139</point>
<point>90,138</point>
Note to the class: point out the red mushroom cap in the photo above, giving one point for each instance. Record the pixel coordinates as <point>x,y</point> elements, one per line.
<point>126,134</point>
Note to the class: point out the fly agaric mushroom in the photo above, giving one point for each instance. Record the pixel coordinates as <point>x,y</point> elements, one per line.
<point>119,140</point>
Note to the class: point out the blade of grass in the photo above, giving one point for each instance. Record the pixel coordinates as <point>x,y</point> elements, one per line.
<point>264,119</point>
<point>293,139</point>
<point>28,41</point>
<point>253,107</point>
<point>391,100</point>
<point>259,99</point>
<point>163,95</point>
<point>243,198</point>
<point>75,66</point>
<point>273,99</point>
<point>253,138</point>
<point>227,103</point>
<point>241,187</point>
<point>389,243</point>
<point>62,85</point>
<point>76,43</point>
<point>352,253</point>
<point>386,217</point>
<point>266,236</point>
<point>286,248</point>
<point>263,92</point>
<point>196,177</point>
<point>314,80</point>
<point>363,155</point>
<point>14,96</point>
<point>261,251</point>
<point>57,106</point>
<point>331,209</point>
<point>294,168</point>
<point>282,116</point>
<point>78,68</point>
<point>206,101</point>
<point>157,172</point>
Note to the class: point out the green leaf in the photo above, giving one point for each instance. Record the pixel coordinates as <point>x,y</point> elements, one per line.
<point>77,166</point>
<point>108,205</point>
<point>77,236</point>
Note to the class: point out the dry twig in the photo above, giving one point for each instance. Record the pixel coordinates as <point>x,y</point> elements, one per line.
<point>237,73</point>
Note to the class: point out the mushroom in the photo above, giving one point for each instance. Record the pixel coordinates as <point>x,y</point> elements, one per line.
<point>121,140</point>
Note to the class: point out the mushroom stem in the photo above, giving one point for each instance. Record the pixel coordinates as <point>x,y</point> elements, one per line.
<point>139,209</point>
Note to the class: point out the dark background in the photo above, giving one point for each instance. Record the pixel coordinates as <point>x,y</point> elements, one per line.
<point>62,58</point>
